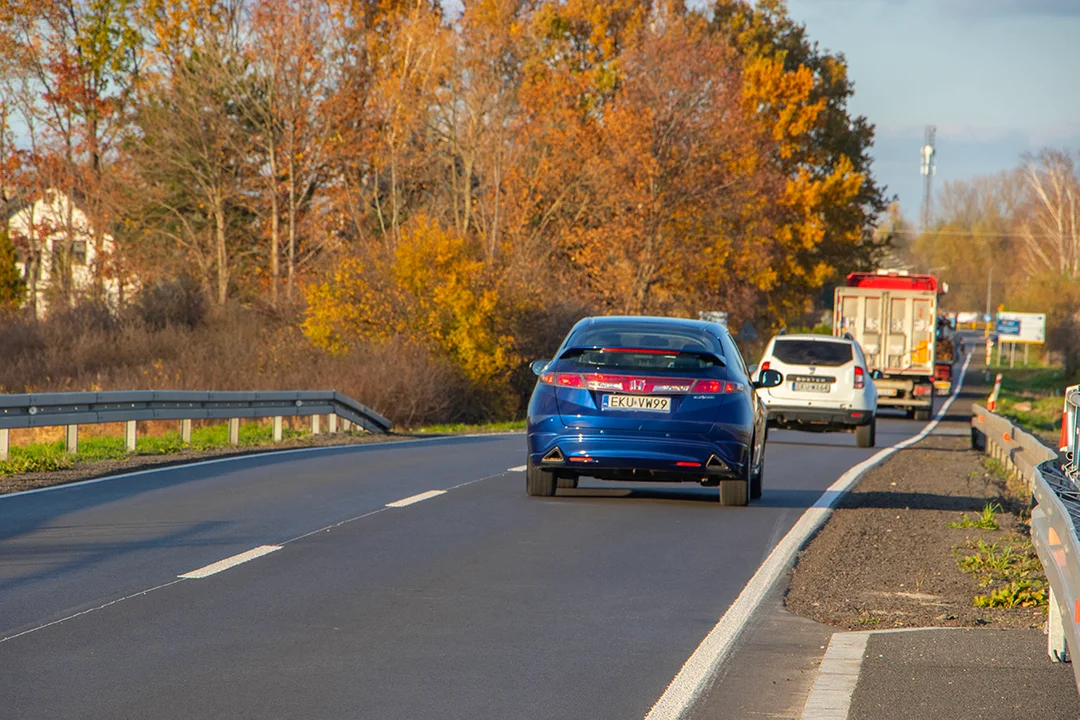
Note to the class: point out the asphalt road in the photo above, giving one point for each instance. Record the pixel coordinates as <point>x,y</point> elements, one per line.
<point>477,603</point>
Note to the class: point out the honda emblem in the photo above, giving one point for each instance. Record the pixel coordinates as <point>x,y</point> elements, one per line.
<point>637,385</point>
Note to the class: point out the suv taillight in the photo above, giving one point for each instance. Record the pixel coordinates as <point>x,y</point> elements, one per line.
<point>860,378</point>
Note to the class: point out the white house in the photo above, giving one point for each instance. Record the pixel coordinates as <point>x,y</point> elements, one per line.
<point>39,229</point>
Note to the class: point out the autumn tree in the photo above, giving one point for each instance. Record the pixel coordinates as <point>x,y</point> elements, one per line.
<point>194,150</point>
<point>801,93</point>
<point>282,101</point>
<point>78,63</point>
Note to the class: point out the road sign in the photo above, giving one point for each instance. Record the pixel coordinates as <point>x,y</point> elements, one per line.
<point>1014,327</point>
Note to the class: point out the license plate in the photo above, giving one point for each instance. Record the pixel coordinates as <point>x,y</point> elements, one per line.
<point>647,403</point>
<point>810,387</point>
<point>887,392</point>
<point>942,384</point>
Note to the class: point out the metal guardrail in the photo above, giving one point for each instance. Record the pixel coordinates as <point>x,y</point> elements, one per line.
<point>131,407</point>
<point>1053,482</point>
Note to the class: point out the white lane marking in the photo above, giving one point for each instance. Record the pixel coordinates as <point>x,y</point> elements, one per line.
<point>412,499</point>
<point>229,562</point>
<point>257,455</point>
<point>830,697</point>
<point>519,468</point>
<point>700,666</point>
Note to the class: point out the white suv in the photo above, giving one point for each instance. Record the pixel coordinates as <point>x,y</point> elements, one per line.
<point>826,388</point>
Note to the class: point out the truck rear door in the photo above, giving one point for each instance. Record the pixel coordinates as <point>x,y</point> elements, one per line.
<point>894,327</point>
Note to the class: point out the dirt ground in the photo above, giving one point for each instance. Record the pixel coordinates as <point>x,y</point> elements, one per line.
<point>887,557</point>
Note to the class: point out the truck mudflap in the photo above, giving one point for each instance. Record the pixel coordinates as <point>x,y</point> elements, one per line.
<point>905,392</point>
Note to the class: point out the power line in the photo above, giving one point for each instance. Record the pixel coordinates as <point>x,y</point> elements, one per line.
<point>972,233</point>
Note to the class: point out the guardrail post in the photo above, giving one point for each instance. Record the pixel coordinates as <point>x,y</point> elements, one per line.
<point>315,424</point>
<point>185,431</point>
<point>1055,632</point>
<point>5,440</point>
<point>346,426</point>
<point>129,435</point>
<point>277,429</point>
<point>331,423</point>
<point>71,440</point>
<point>234,431</point>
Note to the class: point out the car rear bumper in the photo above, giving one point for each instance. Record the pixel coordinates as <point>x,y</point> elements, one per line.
<point>817,418</point>
<point>642,457</point>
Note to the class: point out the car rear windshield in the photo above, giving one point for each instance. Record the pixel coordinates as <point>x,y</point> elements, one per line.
<point>660,349</point>
<point>812,352</point>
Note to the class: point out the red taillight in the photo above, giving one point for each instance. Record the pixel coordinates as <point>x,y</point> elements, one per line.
<point>860,378</point>
<point>572,380</point>
<point>716,387</point>
<point>687,464</point>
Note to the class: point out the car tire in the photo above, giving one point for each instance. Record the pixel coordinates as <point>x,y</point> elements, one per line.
<point>564,482</point>
<point>734,493</point>
<point>757,477</point>
<point>539,483</point>
<point>922,415</point>
<point>866,435</point>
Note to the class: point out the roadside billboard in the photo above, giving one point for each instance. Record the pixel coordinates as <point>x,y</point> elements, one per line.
<point>1014,327</point>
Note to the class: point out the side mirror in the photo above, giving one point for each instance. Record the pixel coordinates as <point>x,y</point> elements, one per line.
<point>769,379</point>
<point>538,366</point>
<point>876,374</point>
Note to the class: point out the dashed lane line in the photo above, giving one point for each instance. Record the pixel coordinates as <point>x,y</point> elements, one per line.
<point>413,499</point>
<point>229,562</point>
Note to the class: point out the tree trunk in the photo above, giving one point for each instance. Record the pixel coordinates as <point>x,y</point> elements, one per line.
<point>222,253</point>
<point>275,228</point>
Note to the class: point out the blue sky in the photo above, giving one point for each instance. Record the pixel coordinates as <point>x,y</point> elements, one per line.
<point>997,78</point>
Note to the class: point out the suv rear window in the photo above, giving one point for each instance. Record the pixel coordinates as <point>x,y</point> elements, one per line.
<point>812,352</point>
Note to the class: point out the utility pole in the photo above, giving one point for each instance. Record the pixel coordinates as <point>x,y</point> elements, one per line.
<point>929,165</point>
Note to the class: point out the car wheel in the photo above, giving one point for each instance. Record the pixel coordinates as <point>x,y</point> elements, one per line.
<point>756,477</point>
<point>539,483</point>
<point>866,435</point>
<point>736,492</point>
<point>909,413</point>
<point>566,483</point>
<point>922,415</point>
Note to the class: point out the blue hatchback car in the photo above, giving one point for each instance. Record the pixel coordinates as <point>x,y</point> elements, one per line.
<point>648,398</point>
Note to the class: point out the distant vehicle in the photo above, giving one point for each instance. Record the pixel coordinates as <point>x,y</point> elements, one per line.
<point>828,387</point>
<point>649,399</point>
<point>893,316</point>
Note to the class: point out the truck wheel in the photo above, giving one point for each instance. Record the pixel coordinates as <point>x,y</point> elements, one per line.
<point>539,483</point>
<point>922,415</point>
<point>866,435</point>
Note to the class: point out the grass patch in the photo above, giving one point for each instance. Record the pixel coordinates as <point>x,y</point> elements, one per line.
<point>50,457</point>
<point>1033,397</point>
<point>986,520</point>
<point>455,428</point>
<point>1012,570</point>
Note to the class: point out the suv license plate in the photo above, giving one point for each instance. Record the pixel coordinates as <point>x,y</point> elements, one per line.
<point>810,387</point>
<point>648,403</point>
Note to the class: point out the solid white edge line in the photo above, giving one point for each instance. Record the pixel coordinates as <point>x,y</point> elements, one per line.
<point>229,562</point>
<point>412,499</point>
<point>702,663</point>
<point>830,697</point>
<point>249,456</point>
<point>519,468</point>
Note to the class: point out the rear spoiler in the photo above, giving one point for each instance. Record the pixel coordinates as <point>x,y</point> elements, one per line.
<point>578,350</point>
